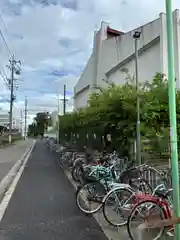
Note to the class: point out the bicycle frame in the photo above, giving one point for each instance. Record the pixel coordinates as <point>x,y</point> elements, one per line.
<point>121,186</point>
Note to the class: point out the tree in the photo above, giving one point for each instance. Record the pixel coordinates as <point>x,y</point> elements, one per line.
<point>32,130</point>
<point>113,111</point>
<point>42,121</point>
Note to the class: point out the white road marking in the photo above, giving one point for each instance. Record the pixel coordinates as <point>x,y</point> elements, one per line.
<point>10,191</point>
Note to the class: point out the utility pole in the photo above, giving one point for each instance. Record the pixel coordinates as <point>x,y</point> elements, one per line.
<point>14,70</point>
<point>136,37</point>
<point>21,125</point>
<point>172,115</point>
<point>25,119</point>
<point>58,109</point>
<point>11,98</point>
<point>64,100</point>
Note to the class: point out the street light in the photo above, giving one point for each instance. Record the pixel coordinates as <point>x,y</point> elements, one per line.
<point>136,37</point>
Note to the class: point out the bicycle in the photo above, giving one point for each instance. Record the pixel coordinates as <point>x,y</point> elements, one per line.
<point>145,205</point>
<point>104,191</point>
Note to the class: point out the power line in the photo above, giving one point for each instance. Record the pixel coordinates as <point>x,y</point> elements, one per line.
<point>5,42</point>
<point>2,20</point>
<point>2,35</point>
<point>6,83</point>
<point>4,79</point>
<point>2,70</point>
<point>25,118</point>
<point>4,76</point>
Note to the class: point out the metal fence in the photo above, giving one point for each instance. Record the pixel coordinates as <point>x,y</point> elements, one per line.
<point>157,159</point>
<point>153,178</point>
<point>152,174</point>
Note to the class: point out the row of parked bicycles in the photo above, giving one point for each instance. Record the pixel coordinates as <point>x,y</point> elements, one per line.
<point>126,193</point>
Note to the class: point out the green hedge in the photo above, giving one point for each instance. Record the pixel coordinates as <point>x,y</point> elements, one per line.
<point>113,111</point>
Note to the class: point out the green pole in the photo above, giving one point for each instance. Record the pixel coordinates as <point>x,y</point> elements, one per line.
<point>172,115</point>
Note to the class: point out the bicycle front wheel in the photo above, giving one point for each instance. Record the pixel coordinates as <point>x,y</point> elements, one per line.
<point>89,197</point>
<point>117,206</point>
<point>65,160</point>
<point>148,210</point>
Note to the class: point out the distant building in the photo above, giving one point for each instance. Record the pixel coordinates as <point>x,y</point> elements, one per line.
<point>113,56</point>
<point>4,118</point>
<point>54,116</point>
<point>17,123</point>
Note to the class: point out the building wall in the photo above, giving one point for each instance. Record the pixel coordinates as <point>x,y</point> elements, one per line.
<point>176,20</point>
<point>86,77</point>
<point>109,54</point>
<point>89,77</point>
<point>109,57</point>
<point>4,118</point>
<point>54,118</point>
<point>163,45</point>
<point>116,50</point>
<point>81,99</point>
<point>17,123</point>
<point>149,64</point>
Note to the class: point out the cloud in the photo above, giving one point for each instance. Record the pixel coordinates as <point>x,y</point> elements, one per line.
<point>53,39</point>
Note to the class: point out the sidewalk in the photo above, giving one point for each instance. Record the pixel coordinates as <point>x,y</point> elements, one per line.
<point>11,154</point>
<point>43,205</point>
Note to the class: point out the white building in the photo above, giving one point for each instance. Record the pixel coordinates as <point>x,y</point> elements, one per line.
<point>4,118</point>
<point>113,52</point>
<point>54,118</point>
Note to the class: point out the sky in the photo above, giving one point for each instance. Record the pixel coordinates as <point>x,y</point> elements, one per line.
<point>53,39</point>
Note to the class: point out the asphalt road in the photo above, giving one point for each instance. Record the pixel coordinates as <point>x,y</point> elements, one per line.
<point>43,205</point>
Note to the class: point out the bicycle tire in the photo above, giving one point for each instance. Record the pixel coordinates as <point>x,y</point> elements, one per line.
<point>100,187</point>
<point>80,174</point>
<point>64,161</point>
<point>135,209</point>
<point>106,216</point>
<point>74,174</point>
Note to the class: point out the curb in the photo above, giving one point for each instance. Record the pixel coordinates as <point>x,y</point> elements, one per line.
<point>8,179</point>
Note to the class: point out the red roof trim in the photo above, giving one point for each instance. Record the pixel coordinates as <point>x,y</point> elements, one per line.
<point>113,32</point>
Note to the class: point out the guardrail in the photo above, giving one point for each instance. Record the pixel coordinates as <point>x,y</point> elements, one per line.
<point>4,138</point>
